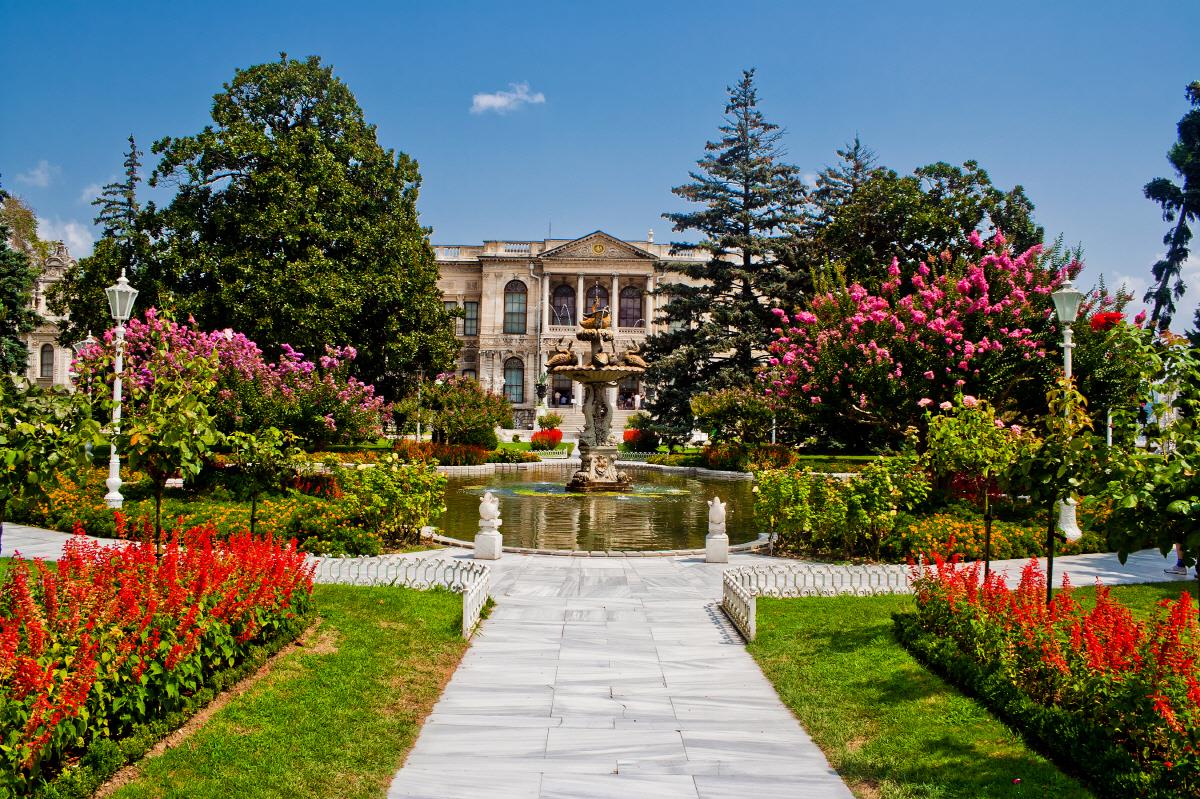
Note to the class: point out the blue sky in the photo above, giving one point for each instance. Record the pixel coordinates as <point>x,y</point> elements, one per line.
<point>1076,100</point>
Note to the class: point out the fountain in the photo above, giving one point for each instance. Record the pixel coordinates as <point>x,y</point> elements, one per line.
<point>597,371</point>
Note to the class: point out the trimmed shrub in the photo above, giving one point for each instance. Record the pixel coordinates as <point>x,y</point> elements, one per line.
<point>546,438</point>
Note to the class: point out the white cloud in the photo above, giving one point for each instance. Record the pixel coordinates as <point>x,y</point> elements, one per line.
<point>90,192</point>
<point>75,235</point>
<point>503,102</point>
<point>41,175</point>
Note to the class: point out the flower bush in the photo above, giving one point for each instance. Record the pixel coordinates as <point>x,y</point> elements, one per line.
<point>951,533</point>
<point>319,402</point>
<point>815,513</point>
<point>639,435</point>
<point>444,454</point>
<point>458,410</point>
<point>116,637</point>
<point>547,438</point>
<point>968,323</point>
<point>1118,699</point>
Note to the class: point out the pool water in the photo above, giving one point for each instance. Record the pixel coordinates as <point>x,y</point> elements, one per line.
<point>663,511</point>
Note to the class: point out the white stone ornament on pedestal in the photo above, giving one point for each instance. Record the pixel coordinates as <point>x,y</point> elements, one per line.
<point>1067,522</point>
<point>489,543</point>
<point>716,543</point>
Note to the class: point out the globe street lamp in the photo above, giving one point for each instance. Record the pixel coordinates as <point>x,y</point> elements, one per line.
<point>1066,304</point>
<point>120,304</point>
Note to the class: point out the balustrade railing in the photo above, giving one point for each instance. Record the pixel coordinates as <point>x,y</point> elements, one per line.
<point>468,578</point>
<point>741,585</point>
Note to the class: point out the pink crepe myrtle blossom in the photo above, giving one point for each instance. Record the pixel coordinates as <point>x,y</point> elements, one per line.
<point>946,405</point>
<point>924,402</point>
<point>969,401</point>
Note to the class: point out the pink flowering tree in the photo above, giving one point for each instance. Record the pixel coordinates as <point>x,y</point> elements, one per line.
<point>977,323</point>
<point>319,402</point>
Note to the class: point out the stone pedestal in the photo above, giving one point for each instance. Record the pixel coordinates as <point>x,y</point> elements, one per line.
<point>598,470</point>
<point>716,545</point>
<point>489,545</point>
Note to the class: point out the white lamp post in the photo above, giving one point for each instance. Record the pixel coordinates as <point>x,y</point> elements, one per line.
<point>120,304</point>
<point>1066,304</point>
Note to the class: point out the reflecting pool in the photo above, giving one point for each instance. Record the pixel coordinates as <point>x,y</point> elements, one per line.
<point>663,511</point>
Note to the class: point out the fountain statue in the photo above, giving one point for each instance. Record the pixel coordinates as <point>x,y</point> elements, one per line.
<point>599,369</point>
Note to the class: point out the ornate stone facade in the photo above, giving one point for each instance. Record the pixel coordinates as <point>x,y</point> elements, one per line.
<point>48,362</point>
<point>522,298</point>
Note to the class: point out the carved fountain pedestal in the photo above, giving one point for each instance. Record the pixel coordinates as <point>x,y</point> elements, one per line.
<point>598,371</point>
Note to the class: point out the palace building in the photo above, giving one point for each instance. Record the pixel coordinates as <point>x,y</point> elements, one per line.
<point>521,298</point>
<point>49,363</point>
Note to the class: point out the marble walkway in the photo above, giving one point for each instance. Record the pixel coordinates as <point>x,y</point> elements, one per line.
<point>617,677</point>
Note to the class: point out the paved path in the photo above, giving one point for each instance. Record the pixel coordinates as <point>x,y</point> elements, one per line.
<point>618,677</point>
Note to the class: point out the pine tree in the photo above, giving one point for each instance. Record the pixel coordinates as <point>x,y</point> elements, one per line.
<point>751,207</point>
<point>17,317</point>
<point>124,246</point>
<point>1180,206</point>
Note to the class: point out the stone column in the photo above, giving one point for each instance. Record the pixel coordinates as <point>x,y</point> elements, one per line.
<point>580,296</point>
<point>545,305</point>
<point>648,304</point>
<point>614,302</point>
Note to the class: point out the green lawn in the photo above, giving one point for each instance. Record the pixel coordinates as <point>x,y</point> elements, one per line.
<point>891,729</point>
<point>334,719</point>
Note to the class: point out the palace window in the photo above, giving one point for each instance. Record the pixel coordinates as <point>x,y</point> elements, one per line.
<point>597,297</point>
<point>564,306</point>
<point>631,307</point>
<point>515,297</point>
<point>471,319</point>
<point>514,380</point>
<point>47,365</point>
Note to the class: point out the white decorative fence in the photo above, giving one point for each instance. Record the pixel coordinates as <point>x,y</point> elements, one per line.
<point>466,577</point>
<point>741,585</point>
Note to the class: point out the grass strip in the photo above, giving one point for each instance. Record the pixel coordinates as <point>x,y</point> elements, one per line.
<point>335,719</point>
<point>892,729</point>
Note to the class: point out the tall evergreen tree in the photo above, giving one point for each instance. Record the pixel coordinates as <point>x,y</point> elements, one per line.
<point>293,225</point>
<point>751,205</point>
<point>124,245</point>
<point>17,317</point>
<point>1180,206</point>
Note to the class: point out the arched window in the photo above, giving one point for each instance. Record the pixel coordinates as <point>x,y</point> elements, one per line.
<point>631,307</point>
<point>515,296</point>
<point>597,297</point>
<point>564,305</point>
<point>47,359</point>
<point>514,380</point>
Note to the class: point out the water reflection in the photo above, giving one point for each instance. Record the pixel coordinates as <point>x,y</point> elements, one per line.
<point>662,512</point>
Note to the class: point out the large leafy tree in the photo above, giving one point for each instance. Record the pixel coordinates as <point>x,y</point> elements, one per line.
<point>750,206</point>
<point>1180,205</point>
<point>861,216</point>
<point>124,245</point>
<point>293,225</point>
<point>17,317</point>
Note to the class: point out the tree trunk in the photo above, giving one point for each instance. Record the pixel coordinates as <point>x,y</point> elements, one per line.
<point>158,492</point>
<point>987,530</point>
<point>1050,555</point>
<point>253,510</point>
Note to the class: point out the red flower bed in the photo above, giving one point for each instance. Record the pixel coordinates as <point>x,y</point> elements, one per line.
<point>545,439</point>
<point>116,637</point>
<point>1136,685</point>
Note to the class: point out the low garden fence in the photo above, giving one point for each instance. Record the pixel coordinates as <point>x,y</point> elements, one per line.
<point>469,578</point>
<point>743,584</point>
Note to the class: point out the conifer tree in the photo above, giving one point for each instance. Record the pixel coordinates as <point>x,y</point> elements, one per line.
<point>751,205</point>
<point>1180,206</point>
<point>17,317</point>
<point>124,245</point>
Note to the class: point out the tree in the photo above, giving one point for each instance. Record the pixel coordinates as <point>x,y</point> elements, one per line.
<point>751,205</point>
<point>862,216</point>
<point>17,316</point>
<point>1180,206</point>
<point>262,461</point>
<point>457,410</point>
<point>42,431</point>
<point>124,246</point>
<point>293,225</point>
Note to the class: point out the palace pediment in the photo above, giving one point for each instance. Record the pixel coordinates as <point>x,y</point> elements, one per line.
<point>598,246</point>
